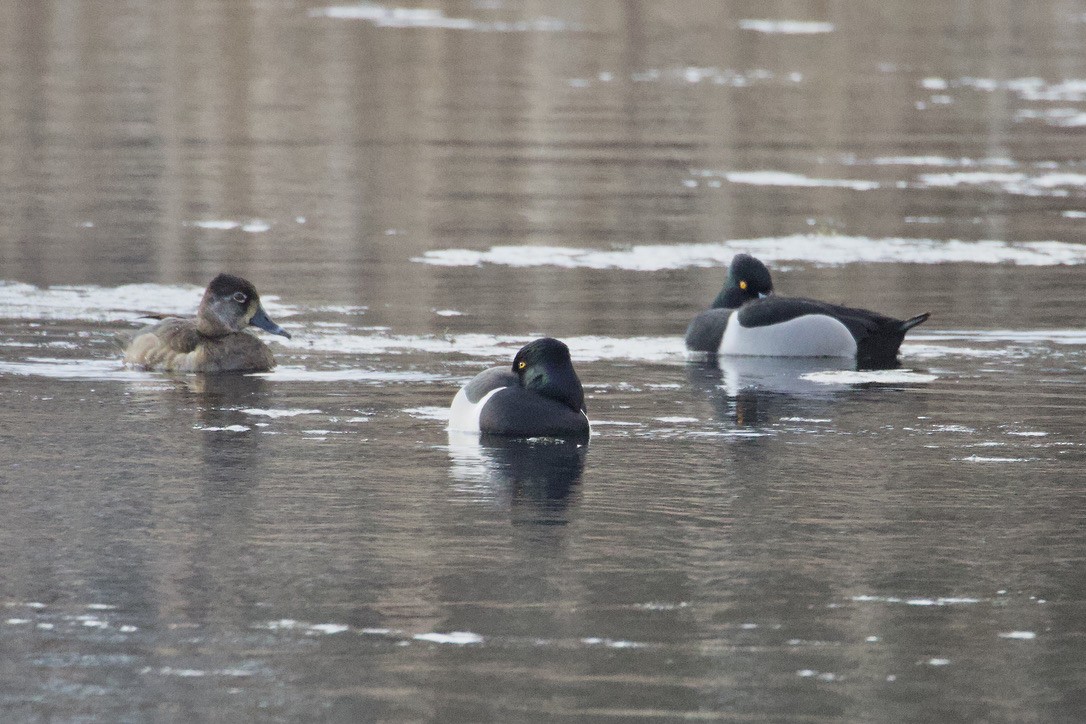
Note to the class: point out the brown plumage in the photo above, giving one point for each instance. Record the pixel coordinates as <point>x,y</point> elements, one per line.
<point>215,340</point>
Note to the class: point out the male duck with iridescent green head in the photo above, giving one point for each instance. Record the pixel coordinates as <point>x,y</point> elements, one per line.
<point>215,340</point>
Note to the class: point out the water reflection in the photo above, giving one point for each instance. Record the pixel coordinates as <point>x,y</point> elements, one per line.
<point>751,392</point>
<point>534,478</point>
<point>206,576</point>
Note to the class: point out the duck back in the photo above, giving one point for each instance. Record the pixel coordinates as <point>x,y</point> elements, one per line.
<point>175,345</point>
<point>877,337</point>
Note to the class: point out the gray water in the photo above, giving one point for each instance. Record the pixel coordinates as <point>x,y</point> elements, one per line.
<point>417,191</point>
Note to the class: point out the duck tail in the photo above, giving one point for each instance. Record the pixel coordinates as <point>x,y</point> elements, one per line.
<point>912,322</point>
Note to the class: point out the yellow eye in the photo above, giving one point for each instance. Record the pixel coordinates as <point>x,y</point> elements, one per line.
<point>743,284</point>
<point>521,365</point>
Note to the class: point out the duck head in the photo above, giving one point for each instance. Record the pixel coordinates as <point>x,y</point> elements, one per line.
<point>544,366</point>
<point>747,279</point>
<point>229,305</point>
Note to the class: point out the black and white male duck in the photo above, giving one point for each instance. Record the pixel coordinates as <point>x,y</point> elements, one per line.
<point>746,318</point>
<point>540,396</point>
<point>215,340</point>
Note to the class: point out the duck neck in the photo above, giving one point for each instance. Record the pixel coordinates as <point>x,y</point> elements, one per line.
<point>208,323</point>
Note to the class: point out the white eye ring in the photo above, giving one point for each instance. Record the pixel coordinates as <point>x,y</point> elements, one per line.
<point>240,297</point>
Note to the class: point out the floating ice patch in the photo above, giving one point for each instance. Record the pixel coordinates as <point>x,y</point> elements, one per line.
<point>448,313</point>
<point>936,161</point>
<point>916,601</point>
<point>937,662</point>
<point>1059,117</point>
<point>917,351</point>
<point>429,413</point>
<point>74,369</point>
<point>256,226</point>
<point>279,413</point>
<point>329,628</point>
<point>459,638</point>
<point>92,621</point>
<point>613,643</point>
<point>984,459</point>
<point>300,374</point>
<point>583,349</point>
<point>105,304</point>
<point>953,428</point>
<point>781,178</point>
<point>828,250</point>
<point>350,309</point>
<point>858,377</point>
<point>1071,90</point>
<point>697,74</point>
<point>1026,337</point>
<point>217,224</point>
<point>184,673</point>
<point>676,419</point>
<point>392,17</point>
<point>660,606</point>
<point>1020,635</point>
<point>786,27</point>
<point>724,433</point>
<point>649,349</point>
<point>1017,183</point>
<point>228,428</point>
<point>478,345</point>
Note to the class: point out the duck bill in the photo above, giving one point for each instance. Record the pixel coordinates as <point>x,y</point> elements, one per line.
<point>262,320</point>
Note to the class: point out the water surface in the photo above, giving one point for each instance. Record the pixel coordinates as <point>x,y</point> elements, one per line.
<point>417,191</point>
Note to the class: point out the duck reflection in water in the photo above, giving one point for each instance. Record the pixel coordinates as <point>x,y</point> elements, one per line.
<point>231,445</point>
<point>536,478</point>
<point>756,391</point>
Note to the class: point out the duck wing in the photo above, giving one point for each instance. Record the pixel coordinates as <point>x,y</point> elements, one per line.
<point>877,336</point>
<point>489,380</point>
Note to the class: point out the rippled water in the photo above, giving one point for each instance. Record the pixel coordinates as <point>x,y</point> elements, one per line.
<point>417,190</point>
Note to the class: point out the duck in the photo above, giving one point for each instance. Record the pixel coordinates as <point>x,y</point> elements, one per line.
<point>748,319</point>
<point>540,396</point>
<point>214,340</point>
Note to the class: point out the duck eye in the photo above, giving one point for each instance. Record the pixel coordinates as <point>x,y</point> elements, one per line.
<point>743,285</point>
<point>240,297</point>
<point>521,365</point>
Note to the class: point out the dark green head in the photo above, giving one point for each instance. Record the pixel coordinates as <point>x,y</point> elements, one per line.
<point>544,365</point>
<point>747,279</point>
<point>229,305</point>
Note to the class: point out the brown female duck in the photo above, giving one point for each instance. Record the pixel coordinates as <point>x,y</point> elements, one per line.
<point>215,340</point>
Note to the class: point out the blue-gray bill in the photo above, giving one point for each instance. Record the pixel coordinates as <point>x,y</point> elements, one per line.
<point>262,320</point>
